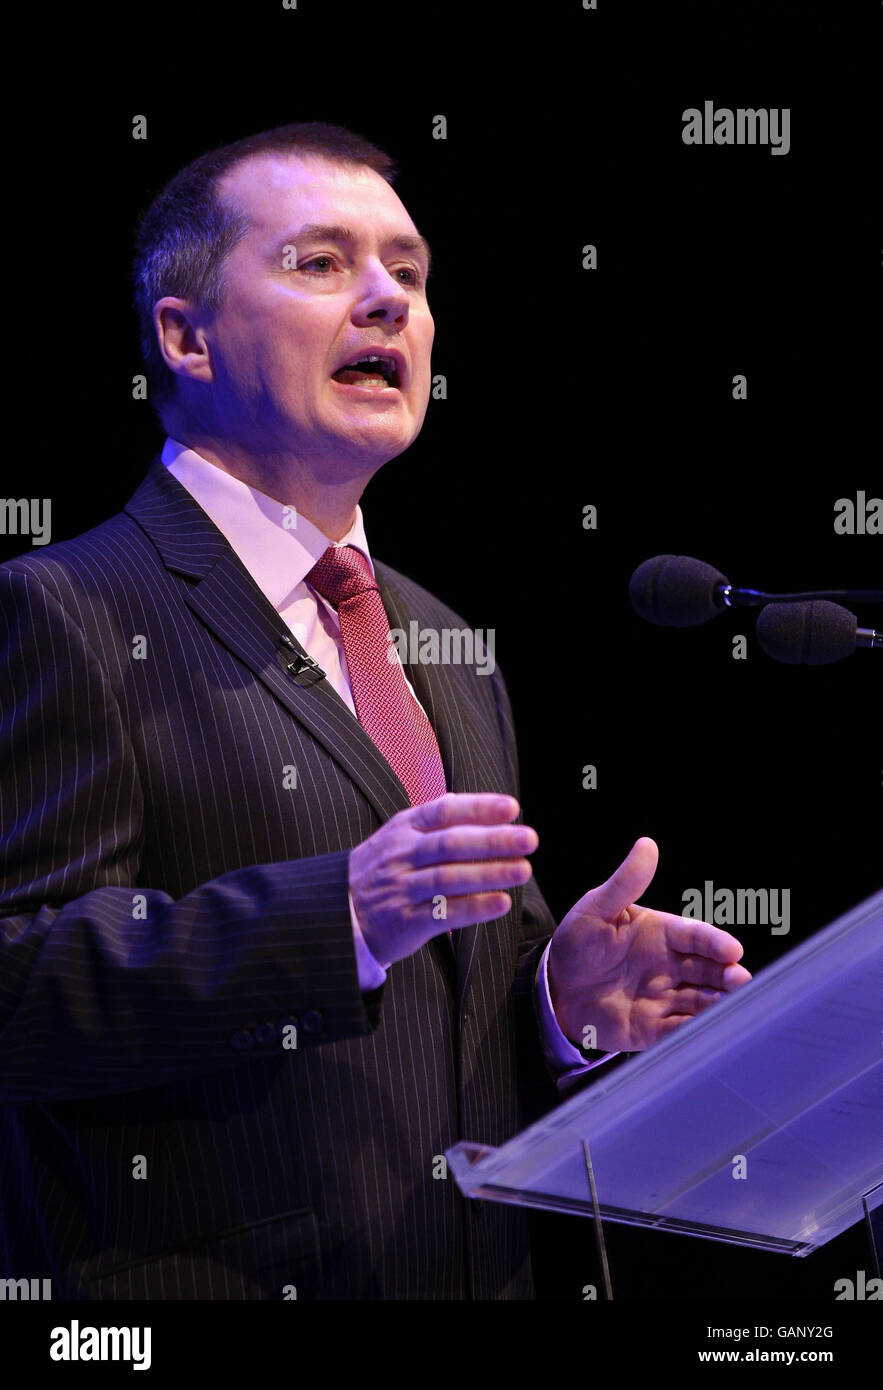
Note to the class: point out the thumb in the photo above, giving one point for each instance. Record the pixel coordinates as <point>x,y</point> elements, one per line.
<point>629,881</point>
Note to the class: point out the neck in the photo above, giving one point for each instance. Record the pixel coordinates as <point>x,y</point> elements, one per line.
<point>327,500</point>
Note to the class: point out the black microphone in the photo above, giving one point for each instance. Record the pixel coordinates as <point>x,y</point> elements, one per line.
<point>812,633</point>
<point>678,591</point>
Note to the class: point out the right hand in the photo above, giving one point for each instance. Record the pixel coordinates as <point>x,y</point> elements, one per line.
<point>461,847</point>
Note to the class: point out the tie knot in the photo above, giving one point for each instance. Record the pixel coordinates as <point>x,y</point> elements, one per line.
<point>341,573</point>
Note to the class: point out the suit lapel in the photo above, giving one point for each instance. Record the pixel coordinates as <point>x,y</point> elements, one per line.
<point>228,601</point>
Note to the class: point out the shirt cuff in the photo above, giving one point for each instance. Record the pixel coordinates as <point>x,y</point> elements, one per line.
<point>371,973</point>
<point>561,1054</point>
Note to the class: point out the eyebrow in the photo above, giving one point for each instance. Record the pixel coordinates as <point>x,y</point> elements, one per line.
<point>315,231</point>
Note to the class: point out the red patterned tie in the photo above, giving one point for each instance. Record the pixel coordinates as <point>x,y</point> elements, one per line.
<point>387,710</point>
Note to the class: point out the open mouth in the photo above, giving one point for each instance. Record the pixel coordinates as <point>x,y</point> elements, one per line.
<point>372,370</point>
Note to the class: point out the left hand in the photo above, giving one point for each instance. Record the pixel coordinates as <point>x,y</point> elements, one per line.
<point>634,973</point>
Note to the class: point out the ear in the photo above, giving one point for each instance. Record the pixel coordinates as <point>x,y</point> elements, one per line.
<point>182,339</point>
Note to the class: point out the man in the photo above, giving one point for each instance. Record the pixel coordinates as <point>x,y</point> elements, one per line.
<point>270,944</point>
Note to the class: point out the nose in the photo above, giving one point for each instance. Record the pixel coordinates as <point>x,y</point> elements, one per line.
<point>382,299</point>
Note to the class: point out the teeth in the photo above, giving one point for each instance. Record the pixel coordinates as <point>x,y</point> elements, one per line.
<point>389,366</point>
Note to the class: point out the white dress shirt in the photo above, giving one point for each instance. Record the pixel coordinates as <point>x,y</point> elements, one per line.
<point>279,547</point>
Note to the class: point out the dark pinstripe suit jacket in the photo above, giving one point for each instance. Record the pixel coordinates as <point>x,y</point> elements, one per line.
<point>168,904</point>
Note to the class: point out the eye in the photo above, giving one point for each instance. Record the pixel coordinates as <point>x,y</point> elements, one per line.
<point>315,260</point>
<point>409,270</point>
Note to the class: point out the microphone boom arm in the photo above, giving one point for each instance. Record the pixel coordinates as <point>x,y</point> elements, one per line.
<point>732,597</point>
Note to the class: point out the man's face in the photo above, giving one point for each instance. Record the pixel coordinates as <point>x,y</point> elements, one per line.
<point>301,301</point>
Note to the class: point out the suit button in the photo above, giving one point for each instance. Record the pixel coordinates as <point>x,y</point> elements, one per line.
<point>242,1041</point>
<point>264,1033</point>
<point>312,1022</point>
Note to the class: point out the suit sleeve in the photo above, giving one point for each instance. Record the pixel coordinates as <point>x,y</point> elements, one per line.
<point>110,985</point>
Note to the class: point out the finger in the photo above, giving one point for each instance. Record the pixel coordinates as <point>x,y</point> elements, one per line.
<point>734,976</point>
<point>466,911</point>
<point>699,970</point>
<point>473,842</point>
<point>693,938</point>
<point>693,1001</point>
<point>630,880</point>
<point>463,808</point>
<point>454,880</point>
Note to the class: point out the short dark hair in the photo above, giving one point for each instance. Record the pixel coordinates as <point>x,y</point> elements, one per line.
<point>187,233</point>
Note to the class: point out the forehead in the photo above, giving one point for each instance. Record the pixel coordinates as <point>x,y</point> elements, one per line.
<point>280,191</point>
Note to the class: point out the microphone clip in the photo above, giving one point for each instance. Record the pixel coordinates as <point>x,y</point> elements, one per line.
<point>298,664</point>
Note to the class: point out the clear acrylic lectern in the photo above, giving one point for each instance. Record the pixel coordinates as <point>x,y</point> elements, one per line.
<point>759,1123</point>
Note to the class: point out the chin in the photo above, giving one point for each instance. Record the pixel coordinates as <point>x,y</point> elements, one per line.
<point>381,438</point>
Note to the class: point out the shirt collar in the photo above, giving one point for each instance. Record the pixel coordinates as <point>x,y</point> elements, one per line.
<point>275,543</point>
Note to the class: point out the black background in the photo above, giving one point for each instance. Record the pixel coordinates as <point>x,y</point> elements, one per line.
<point>565,388</point>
